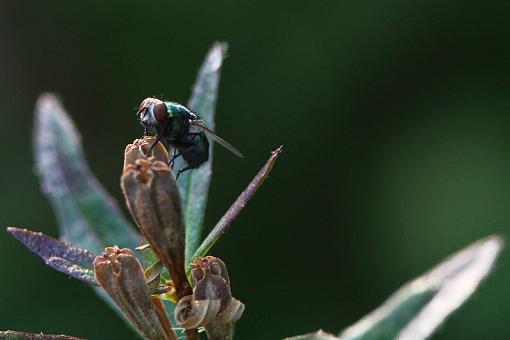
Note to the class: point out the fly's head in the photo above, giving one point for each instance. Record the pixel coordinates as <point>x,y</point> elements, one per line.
<point>152,112</point>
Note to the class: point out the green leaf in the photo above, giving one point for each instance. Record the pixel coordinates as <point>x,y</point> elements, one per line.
<point>88,217</point>
<point>77,263</point>
<point>194,185</point>
<point>319,335</point>
<point>417,309</point>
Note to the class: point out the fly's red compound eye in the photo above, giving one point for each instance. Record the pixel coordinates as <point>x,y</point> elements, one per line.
<point>160,111</point>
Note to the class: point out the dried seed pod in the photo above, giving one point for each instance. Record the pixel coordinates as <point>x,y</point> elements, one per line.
<point>191,313</point>
<point>211,280</point>
<point>212,305</point>
<point>140,148</point>
<point>232,312</point>
<point>223,326</point>
<point>120,274</point>
<point>153,199</point>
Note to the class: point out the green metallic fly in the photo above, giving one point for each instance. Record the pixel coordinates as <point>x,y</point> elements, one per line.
<point>183,129</point>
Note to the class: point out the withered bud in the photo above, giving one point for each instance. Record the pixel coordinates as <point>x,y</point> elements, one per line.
<point>191,313</point>
<point>211,280</point>
<point>120,274</point>
<point>153,199</point>
<point>140,148</point>
<point>211,305</point>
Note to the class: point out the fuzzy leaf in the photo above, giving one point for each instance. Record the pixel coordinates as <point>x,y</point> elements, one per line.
<point>417,309</point>
<point>88,217</point>
<point>194,185</point>
<point>59,255</point>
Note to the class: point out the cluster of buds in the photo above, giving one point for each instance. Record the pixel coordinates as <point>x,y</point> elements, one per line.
<point>153,199</point>
<point>211,306</point>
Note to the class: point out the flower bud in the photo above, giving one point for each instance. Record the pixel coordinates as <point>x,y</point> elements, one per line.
<point>120,274</point>
<point>140,148</point>
<point>191,313</point>
<point>153,199</point>
<point>212,305</point>
<point>211,280</point>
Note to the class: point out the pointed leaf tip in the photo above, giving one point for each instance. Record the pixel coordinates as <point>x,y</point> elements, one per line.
<point>238,205</point>
<point>215,57</point>
<point>59,255</point>
<point>319,335</point>
<point>194,185</point>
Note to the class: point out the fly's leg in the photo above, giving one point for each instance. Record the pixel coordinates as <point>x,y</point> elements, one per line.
<point>182,152</point>
<point>181,171</point>
<point>174,157</point>
<point>158,138</point>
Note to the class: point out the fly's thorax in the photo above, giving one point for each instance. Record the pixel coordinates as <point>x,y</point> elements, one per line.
<point>180,119</point>
<point>178,111</point>
<point>174,130</point>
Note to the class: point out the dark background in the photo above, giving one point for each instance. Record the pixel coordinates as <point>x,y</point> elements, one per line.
<point>394,117</point>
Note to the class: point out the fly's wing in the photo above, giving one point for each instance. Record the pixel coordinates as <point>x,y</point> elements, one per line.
<point>201,125</point>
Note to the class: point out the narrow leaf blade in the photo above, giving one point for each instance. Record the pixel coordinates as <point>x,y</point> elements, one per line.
<point>237,206</point>
<point>70,260</point>
<point>417,309</point>
<point>88,217</point>
<point>194,185</point>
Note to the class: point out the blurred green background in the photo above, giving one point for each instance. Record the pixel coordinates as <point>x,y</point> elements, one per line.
<point>394,116</point>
